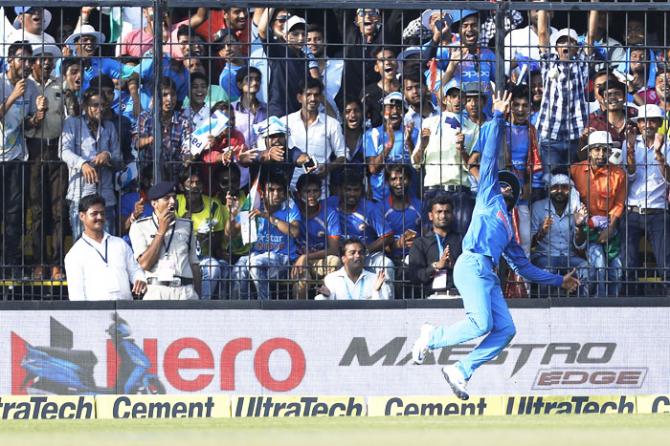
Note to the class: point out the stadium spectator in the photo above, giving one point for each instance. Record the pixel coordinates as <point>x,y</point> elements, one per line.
<point>90,148</point>
<point>207,218</point>
<point>601,80</point>
<point>418,100</point>
<point>122,124</point>
<point>558,232</point>
<point>402,212</point>
<point>71,70</point>
<point>372,95</point>
<point>48,175</point>
<point>362,219</point>
<point>275,250</point>
<point>330,69</point>
<point>315,133</point>
<point>663,92</point>
<point>136,204</point>
<point>563,113</point>
<point>647,203</point>
<point>607,49</point>
<point>602,188</point>
<point>165,247</point>
<point>196,113</point>
<point>30,25</point>
<point>523,43</point>
<point>352,281</point>
<point>22,108</point>
<point>437,24</point>
<point>319,239</point>
<point>232,196</point>
<point>137,42</point>
<point>475,102</point>
<point>432,257</point>
<point>231,52</point>
<point>270,25</point>
<point>225,148</point>
<point>536,86</point>
<point>388,143</point>
<point>100,266</point>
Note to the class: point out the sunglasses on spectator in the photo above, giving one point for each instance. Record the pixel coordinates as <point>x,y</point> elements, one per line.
<point>282,18</point>
<point>368,12</point>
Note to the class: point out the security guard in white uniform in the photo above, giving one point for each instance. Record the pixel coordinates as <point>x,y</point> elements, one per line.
<point>165,248</point>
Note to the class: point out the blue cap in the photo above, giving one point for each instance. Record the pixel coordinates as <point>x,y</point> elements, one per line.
<point>458,15</point>
<point>453,83</point>
<point>159,190</point>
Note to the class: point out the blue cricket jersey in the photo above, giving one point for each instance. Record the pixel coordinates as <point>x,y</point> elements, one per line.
<point>400,221</point>
<point>316,230</point>
<point>490,232</point>
<point>271,239</point>
<point>366,223</point>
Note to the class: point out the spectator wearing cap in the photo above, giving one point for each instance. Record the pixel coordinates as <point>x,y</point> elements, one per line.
<point>100,266</point>
<point>437,22</point>
<point>615,118</point>
<point>90,148</point>
<point>388,143</point>
<point>524,43</point>
<point>22,109</point>
<point>48,175</point>
<point>373,94</point>
<point>30,24</point>
<point>647,205</point>
<point>445,159</point>
<point>315,133</point>
<point>468,61</point>
<point>231,52</point>
<point>602,188</point>
<point>565,70</point>
<point>369,31</point>
<point>558,231</point>
<point>166,248</point>
<point>85,42</point>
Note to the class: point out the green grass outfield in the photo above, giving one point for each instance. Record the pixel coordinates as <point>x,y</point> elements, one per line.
<point>568,430</point>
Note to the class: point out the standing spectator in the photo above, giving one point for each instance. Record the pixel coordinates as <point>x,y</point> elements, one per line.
<point>229,50</point>
<point>373,94</point>
<point>278,222</point>
<point>315,133</point>
<point>71,70</point>
<point>475,103</point>
<point>136,204</point>
<point>48,175</point>
<point>363,219</point>
<point>607,49</point>
<point>663,93</point>
<point>330,69</point>
<point>352,281</point>
<point>647,203</point>
<point>122,124</point>
<point>100,266</point>
<point>388,143</point>
<point>141,40</point>
<point>206,215</point>
<point>511,20</point>
<point>197,112</point>
<point>417,98</point>
<point>602,187</point>
<point>402,212</point>
<point>319,240</point>
<point>232,196</point>
<point>165,247</point>
<point>170,154</point>
<point>224,148</point>
<point>22,108</point>
<point>30,24</point>
<point>536,86</point>
<point>432,257</point>
<point>524,43</point>
<point>558,232</point>
<point>563,112</point>
<point>90,148</point>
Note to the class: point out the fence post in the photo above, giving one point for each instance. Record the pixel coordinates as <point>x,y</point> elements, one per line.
<point>159,10</point>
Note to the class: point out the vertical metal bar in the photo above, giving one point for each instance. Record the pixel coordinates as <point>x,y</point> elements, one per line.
<point>159,8</point>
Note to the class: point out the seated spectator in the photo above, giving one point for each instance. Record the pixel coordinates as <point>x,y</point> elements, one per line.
<point>319,240</point>
<point>362,219</point>
<point>275,250</point>
<point>663,93</point>
<point>372,95</point>
<point>558,232</point>
<point>432,257</point>
<point>100,266</point>
<point>230,51</point>
<point>647,203</point>
<point>90,148</point>
<point>602,188</point>
<point>315,133</point>
<point>402,212</point>
<point>135,204</point>
<point>352,281</point>
<point>227,147</point>
<point>330,69</point>
<point>170,263</point>
<point>206,214</point>
<point>388,143</point>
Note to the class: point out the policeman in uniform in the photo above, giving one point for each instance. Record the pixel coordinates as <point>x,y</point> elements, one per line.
<point>165,248</point>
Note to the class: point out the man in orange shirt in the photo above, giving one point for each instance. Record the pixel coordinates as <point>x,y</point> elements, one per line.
<point>602,187</point>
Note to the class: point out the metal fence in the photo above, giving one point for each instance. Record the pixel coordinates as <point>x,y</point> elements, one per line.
<point>357,135</point>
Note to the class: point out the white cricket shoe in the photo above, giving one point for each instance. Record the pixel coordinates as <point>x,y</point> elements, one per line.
<point>456,381</point>
<point>420,347</point>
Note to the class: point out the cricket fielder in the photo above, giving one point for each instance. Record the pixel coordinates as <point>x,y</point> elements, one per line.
<point>489,236</point>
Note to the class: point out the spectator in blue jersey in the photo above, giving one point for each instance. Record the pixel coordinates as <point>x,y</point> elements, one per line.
<point>230,50</point>
<point>489,237</point>
<point>278,226</point>
<point>388,143</point>
<point>319,241</point>
<point>85,44</point>
<point>402,212</point>
<point>363,219</point>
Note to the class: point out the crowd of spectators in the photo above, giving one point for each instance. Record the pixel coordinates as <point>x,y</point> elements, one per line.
<point>342,156</point>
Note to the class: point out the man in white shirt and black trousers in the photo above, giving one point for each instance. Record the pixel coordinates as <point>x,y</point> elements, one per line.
<point>100,266</point>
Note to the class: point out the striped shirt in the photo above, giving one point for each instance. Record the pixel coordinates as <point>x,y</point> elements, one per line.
<point>563,112</point>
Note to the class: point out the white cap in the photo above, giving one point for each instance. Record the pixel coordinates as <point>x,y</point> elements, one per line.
<point>428,13</point>
<point>649,111</point>
<point>85,30</point>
<point>53,50</point>
<point>293,21</point>
<point>600,138</point>
<point>394,96</point>
<point>565,32</point>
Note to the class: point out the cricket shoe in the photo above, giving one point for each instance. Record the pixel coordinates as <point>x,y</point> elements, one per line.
<point>420,347</point>
<point>456,381</point>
